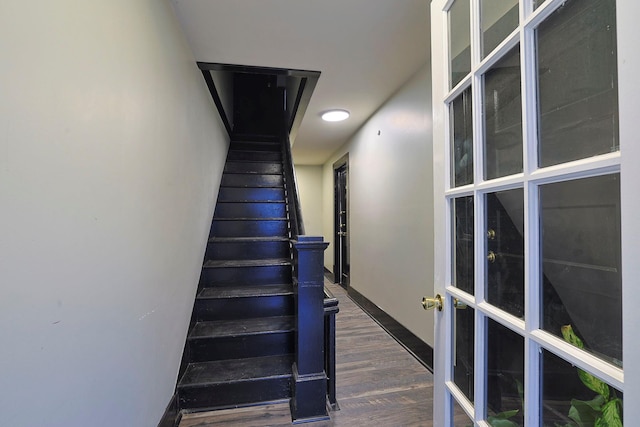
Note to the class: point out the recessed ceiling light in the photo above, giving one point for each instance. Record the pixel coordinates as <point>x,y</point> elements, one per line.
<point>335,115</point>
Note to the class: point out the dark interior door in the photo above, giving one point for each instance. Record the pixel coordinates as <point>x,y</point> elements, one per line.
<point>341,263</point>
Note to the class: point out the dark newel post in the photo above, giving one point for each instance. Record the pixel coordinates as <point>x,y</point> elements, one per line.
<point>309,402</point>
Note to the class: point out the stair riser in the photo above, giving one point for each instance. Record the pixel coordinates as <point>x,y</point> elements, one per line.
<point>263,275</point>
<point>231,194</point>
<point>256,146</point>
<point>231,394</point>
<point>246,250</point>
<point>250,210</point>
<point>259,156</point>
<point>248,228</point>
<point>251,180</point>
<point>243,308</point>
<point>271,344</point>
<point>253,167</point>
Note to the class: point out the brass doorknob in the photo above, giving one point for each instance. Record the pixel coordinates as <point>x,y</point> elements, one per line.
<point>430,303</point>
<point>491,257</point>
<point>459,304</point>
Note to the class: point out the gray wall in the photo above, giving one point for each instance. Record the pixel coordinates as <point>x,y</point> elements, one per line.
<point>391,208</point>
<point>111,154</point>
<point>309,180</point>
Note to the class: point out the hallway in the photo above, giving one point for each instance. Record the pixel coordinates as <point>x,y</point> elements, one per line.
<point>377,381</point>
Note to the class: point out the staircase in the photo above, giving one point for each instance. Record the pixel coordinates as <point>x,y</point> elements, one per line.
<point>240,344</point>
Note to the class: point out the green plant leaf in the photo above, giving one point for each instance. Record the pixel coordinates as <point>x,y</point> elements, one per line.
<point>587,379</point>
<point>501,423</point>
<point>505,414</point>
<point>594,384</point>
<point>520,388</point>
<point>585,413</point>
<point>596,403</point>
<point>611,414</point>
<point>501,419</point>
<point>570,336</point>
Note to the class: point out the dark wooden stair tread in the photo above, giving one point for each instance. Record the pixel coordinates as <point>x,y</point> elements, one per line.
<point>248,239</point>
<point>253,144</point>
<point>245,291</point>
<point>242,327</point>
<point>249,172</point>
<point>269,185</point>
<point>242,332</point>
<point>277,186</point>
<point>251,201</point>
<point>270,174</point>
<point>252,185</point>
<point>254,167</point>
<point>246,263</point>
<point>251,194</point>
<point>256,159</point>
<point>249,219</point>
<point>236,370</point>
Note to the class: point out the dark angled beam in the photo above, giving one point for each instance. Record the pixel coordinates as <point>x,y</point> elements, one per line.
<point>216,98</point>
<point>211,66</point>
<point>303,97</point>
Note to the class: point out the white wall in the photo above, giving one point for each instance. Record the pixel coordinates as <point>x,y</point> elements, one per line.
<point>391,215</point>
<point>309,180</point>
<point>111,154</point>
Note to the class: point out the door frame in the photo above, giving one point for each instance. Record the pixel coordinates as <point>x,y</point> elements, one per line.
<point>337,262</point>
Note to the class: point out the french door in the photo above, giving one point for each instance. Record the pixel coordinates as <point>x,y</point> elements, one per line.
<point>537,182</point>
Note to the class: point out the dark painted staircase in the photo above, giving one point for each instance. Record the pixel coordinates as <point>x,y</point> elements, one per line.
<point>240,344</point>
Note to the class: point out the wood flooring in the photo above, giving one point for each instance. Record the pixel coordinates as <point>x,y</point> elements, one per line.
<point>378,382</point>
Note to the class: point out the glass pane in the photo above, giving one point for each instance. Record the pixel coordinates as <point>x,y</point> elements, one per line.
<point>459,40</point>
<point>462,144</point>
<point>505,375</point>
<point>580,245</point>
<point>503,117</point>
<point>499,19</point>
<point>537,3</point>
<point>564,392</point>
<point>463,237</point>
<point>577,82</point>
<point>460,418</point>
<point>505,250</point>
<point>463,351</point>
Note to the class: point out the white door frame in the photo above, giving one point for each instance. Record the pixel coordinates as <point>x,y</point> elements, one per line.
<point>627,162</point>
<point>627,16</point>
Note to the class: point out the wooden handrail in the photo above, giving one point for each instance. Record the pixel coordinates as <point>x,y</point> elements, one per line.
<point>291,188</point>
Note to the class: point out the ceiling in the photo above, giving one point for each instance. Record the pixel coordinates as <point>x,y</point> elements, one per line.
<point>364,49</point>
